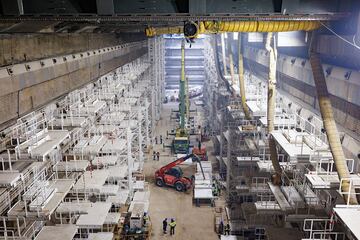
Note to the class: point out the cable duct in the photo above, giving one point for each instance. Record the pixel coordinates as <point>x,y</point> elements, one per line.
<point>241,80</point>
<point>330,126</point>
<point>259,26</point>
<point>271,48</point>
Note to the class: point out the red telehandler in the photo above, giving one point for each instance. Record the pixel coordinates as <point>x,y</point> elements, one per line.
<point>172,175</point>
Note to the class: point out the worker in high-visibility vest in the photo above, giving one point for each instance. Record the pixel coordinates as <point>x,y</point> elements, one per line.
<point>172,225</point>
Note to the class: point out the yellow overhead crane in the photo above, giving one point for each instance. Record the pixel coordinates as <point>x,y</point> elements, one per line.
<point>193,29</point>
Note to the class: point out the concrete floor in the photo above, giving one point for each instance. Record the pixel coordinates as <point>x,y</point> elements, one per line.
<point>193,223</point>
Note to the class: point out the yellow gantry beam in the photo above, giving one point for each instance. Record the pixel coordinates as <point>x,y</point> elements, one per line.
<point>240,26</point>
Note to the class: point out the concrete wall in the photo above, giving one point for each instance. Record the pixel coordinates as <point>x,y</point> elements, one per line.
<point>294,75</point>
<point>17,48</point>
<point>29,85</point>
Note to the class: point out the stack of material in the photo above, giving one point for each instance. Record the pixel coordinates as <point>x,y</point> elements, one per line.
<point>139,205</point>
<point>203,190</point>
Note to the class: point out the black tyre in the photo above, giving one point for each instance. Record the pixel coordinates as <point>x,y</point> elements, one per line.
<point>159,182</point>
<point>179,187</point>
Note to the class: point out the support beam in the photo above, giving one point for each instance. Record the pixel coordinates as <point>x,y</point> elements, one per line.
<point>182,87</point>
<point>140,136</point>
<point>130,160</point>
<point>223,52</point>
<point>187,100</point>
<point>105,7</point>
<point>147,123</point>
<point>231,65</point>
<point>12,7</point>
<point>197,6</point>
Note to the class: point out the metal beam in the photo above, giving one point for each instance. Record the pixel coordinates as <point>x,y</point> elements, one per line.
<point>12,7</point>
<point>175,18</point>
<point>105,7</point>
<point>197,6</point>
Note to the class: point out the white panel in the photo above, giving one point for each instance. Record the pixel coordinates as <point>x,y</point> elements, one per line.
<point>291,39</point>
<point>255,37</point>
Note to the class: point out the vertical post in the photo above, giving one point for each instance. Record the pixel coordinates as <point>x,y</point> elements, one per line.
<point>229,167</point>
<point>223,52</point>
<point>222,141</point>
<point>129,160</point>
<point>182,86</point>
<point>140,139</point>
<point>147,122</point>
<point>187,100</point>
<point>151,43</point>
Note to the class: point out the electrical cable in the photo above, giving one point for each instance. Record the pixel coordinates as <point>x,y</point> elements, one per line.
<point>342,38</point>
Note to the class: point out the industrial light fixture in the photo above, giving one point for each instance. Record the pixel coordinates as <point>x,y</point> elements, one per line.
<point>191,30</point>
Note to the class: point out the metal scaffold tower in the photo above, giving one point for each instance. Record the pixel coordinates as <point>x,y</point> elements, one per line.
<point>156,57</point>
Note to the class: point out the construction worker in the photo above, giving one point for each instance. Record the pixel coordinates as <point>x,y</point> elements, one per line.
<point>221,228</point>
<point>227,229</point>
<point>145,219</point>
<point>165,225</point>
<point>215,190</point>
<point>158,155</point>
<point>116,100</point>
<point>172,225</point>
